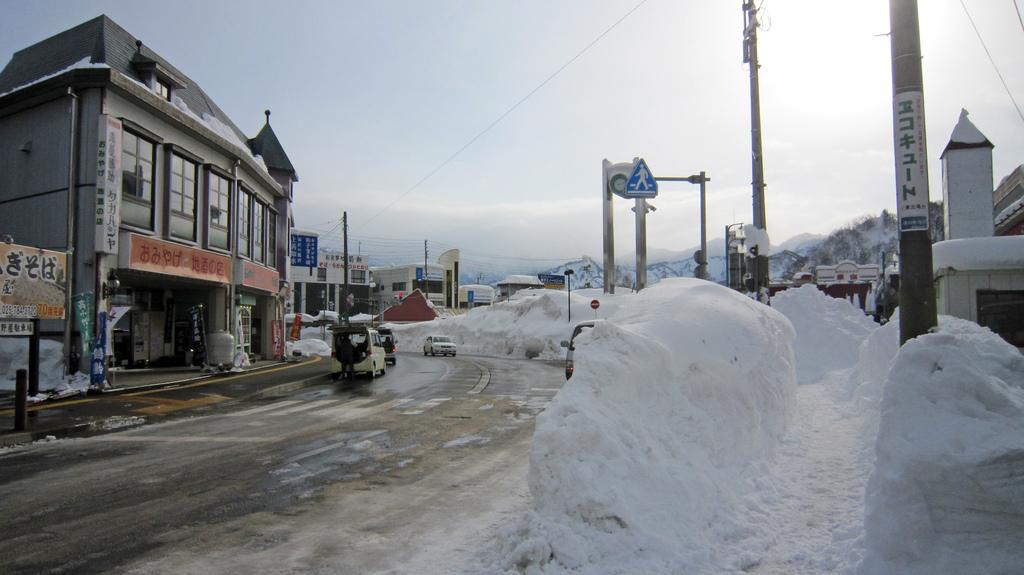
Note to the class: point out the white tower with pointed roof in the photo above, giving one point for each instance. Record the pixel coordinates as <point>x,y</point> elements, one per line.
<point>967,182</point>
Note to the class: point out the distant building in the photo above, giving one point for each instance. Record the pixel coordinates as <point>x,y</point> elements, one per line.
<point>846,272</point>
<point>413,308</point>
<point>982,280</point>
<point>482,295</point>
<point>510,285</point>
<point>396,282</point>
<point>1009,204</point>
<point>967,182</point>
<point>319,288</point>
<point>173,209</point>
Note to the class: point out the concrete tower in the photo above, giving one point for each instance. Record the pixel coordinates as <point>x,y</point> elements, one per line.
<point>967,182</point>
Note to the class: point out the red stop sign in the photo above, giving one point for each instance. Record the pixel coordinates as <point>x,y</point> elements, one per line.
<point>594,304</point>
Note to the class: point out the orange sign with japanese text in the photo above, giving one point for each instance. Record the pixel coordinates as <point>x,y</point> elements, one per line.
<point>158,256</point>
<point>259,277</point>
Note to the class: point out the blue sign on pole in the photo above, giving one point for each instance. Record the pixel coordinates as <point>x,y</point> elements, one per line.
<point>552,281</point>
<point>419,274</point>
<point>641,183</point>
<point>469,296</point>
<point>304,249</point>
<point>98,366</point>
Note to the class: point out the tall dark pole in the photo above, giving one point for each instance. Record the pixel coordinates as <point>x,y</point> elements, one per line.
<point>917,292</point>
<point>568,292</point>
<point>750,25</point>
<point>344,238</point>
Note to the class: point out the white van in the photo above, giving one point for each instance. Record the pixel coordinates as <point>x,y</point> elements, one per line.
<point>368,355</point>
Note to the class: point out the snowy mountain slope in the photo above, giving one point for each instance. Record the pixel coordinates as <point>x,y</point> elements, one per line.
<point>864,240</point>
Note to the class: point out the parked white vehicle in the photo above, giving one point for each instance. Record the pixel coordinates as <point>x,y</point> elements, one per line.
<point>439,345</point>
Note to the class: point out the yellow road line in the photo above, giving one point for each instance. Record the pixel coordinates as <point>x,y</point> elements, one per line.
<point>207,381</point>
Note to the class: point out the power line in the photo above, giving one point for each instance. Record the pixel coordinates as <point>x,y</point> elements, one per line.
<point>504,114</point>
<point>992,60</point>
<point>1020,18</point>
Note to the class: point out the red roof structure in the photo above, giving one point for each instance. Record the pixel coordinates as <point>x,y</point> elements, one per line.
<point>413,308</point>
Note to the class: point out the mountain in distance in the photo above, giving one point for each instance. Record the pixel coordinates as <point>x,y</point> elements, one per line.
<point>865,240</point>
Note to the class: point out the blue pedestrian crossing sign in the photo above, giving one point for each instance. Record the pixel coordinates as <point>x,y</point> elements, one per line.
<point>641,183</point>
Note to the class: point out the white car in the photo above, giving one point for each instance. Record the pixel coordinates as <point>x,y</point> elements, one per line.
<point>439,345</point>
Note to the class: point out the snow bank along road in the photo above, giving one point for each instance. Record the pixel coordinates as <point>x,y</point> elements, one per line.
<point>337,478</point>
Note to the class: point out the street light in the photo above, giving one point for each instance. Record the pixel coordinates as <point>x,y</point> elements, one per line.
<point>568,291</point>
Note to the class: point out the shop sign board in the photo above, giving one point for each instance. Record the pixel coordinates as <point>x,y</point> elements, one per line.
<point>337,262</point>
<point>108,184</point>
<point>15,328</point>
<point>259,277</point>
<point>552,281</point>
<point>158,256</point>
<point>33,282</point>
<point>304,250</point>
<point>911,161</point>
<point>277,335</point>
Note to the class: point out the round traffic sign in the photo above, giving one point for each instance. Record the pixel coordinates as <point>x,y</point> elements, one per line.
<point>594,304</point>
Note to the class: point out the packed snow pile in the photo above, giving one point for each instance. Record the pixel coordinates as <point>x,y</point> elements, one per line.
<point>531,325</point>
<point>307,347</point>
<point>947,494</point>
<point>641,462</point>
<point>14,356</point>
<point>829,331</point>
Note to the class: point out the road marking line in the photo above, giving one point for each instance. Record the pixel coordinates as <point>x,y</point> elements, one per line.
<point>207,381</point>
<point>262,408</point>
<point>554,389</point>
<point>485,380</point>
<point>332,446</point>
<point>165,405</point>
<point>127,438</point>
<point>355,410</point>
<point>314,404</point>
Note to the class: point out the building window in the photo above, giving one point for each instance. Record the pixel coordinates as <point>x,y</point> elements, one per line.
<point>219,197</point>
<point>258,232</point>
<point>163,89</point>
<point>137,173</point>
<point>398,286</point>
<point>1003,313</point>
<point>357,276</point>
<point>244,222</point>
<point>271,239</point>
<point>298,298</point>
<point>184,188</point>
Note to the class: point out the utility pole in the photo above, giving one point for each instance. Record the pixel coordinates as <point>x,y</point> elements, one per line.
<point>344,239</point>
<point>750,24</point>
<point>641,210</point>
<point>425,255</point>
<point>917,292</point>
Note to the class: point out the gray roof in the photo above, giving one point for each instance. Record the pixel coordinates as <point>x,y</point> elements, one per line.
<point>269,147</point>
<point>103,42</point>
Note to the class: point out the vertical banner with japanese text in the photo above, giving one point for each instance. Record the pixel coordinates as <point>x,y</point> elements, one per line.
<point>83,309</point>
<point>108,184</point>
<point>198,340</point>
<point>911,161</point>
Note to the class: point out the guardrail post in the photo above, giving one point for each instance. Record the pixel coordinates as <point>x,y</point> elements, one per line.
<point>21,400</point>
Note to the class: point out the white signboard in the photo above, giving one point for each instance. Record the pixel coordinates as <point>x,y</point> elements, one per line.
<point>108,184</point>
<point>911,162</point>
<point>15,328</point>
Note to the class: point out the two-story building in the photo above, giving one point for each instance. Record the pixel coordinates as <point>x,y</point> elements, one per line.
<point>169,212</point>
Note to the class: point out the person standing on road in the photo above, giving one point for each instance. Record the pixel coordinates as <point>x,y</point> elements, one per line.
<point>346,354</point>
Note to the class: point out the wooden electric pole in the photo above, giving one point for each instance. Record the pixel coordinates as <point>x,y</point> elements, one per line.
<point>917,292</point>
<point>750,25</point>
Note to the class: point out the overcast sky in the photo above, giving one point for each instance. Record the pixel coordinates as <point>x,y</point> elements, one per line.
<point>370,98</point>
